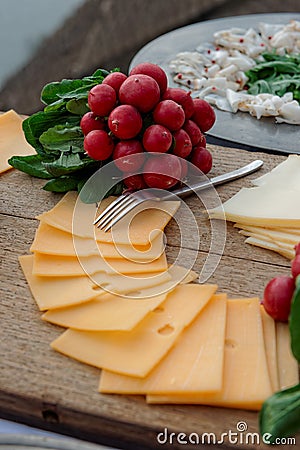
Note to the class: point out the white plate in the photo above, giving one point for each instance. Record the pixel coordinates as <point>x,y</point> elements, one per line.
<point>240,127</point>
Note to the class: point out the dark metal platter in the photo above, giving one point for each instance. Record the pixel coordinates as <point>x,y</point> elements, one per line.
<point>239,128</point>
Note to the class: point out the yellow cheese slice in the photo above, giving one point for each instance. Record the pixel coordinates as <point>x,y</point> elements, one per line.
<point>112,312</point>
<point>263,243</point>
<point>282,245</point>
<point>194,364</point>
<point>59,292</point>
<point>285,175</point>
<point>246,382</point>
<point>12,139</point>
<point>52,241</point>
<point>138,351</point>
<point>287,364</point>
<point>138,228</point>
<point>262,206</point>
<point>279,237</point>
<point>269,330</point>
<point>52,265</point>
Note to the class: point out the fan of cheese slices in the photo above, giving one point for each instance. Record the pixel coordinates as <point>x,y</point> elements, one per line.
<point>268,213</point>
<point>149,328</point>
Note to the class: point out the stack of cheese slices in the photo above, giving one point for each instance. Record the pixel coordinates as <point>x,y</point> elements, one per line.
<point>269,213</point>
<point>155,333</point>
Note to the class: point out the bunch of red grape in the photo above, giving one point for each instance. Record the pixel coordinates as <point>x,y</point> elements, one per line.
<point>144,126</point>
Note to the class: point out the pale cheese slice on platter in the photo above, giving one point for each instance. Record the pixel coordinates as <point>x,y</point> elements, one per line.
<point>288,370</point>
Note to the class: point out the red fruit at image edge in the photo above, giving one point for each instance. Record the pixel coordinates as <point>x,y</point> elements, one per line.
<point>297,249</point>
<point>115,79</point>
<point>278,296</point>
<point>129,155</point>
<point>102,99</point>
<point>157,138</point>
<point>153,71</point>
<point>140,91</point>
<point>183,98</point>
<point>295,268</point>
<point>98,145</point>
<point>90,122</point>
<point>162,171</point>
<point>204,115</point>
<point>201,158</point>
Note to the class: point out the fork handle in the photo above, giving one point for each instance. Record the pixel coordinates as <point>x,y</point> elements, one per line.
<point>220,179</point>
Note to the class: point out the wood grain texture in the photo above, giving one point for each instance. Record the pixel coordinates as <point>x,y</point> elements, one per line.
<point>43,388</point>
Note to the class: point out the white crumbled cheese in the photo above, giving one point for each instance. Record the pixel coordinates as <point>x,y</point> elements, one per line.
<point>216,71</point>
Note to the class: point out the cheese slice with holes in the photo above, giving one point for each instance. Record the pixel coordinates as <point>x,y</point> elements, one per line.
<point>112,312</point>
<point>53,265</point>
<point>139,227</point>
<point>246,382</point>
<point>52,241</point>
<point>138,351</point>
<point>59,292</point>
<point>12,139</point>
<point>194,364</point>
<point>266,205</point>
<point>287,365</point>
<point>269,330</point>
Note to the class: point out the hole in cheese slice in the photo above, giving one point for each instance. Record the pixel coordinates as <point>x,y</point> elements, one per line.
<point>136,352</point>
<point>12,139</point>
<point>194,364</point>
<point>246,382</point>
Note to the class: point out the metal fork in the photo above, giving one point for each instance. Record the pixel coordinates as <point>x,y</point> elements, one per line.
<point>126,202</point>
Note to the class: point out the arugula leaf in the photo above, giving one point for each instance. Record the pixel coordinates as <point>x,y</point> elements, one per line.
<point>32,165</point>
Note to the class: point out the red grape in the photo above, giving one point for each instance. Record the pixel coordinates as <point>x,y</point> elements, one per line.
<point>162,171</point>
<point>134,181</point>
<point>140,91</point>
<point>296,266</point>
<point>128,155</point>
<point>98,145</point>
<point>101,99</point>
<point>201,158</point>
<point>194,133</point>
<point>297,249</point>
<point>169,114</point>
<point>278,296</point>
<point>204,115</point>
<point>153,71</point>
<point>183,98</point>
<point>90,122</point>
<point>115,79</point>
<point>183,144</point>
<point>157,138</point>
<point>125,122</point>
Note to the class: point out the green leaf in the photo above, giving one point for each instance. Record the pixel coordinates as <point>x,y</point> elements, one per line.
<point>280,414</point>
<point>62,184</point>
<point>31,164</point>
<point>53,91</point>
<point>77,106</point>
<point>294,321</point>
<point>62,138</point>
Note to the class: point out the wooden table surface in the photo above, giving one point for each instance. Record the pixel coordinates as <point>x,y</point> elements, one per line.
<point>43,388</point>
